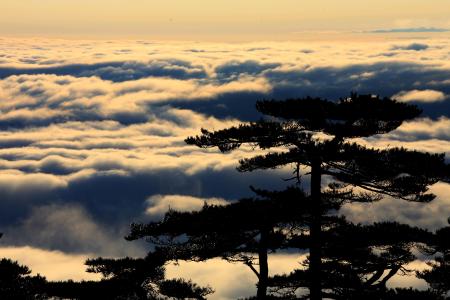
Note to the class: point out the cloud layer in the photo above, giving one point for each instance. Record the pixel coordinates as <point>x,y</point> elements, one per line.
<point>91,133</point>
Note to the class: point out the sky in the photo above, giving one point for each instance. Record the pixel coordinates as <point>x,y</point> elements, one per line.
<point>218,20</point>
<point>96,98</point>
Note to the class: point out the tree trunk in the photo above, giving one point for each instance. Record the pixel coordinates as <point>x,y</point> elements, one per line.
<point>315,257</point>
<point>263,265</point>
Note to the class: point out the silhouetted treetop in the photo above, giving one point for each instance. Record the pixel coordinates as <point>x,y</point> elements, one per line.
<point>355,116</point>
<point>181,289</point>
<point>227,231</point>
<point>150,267</point>
<point>12,270</point>
<point>17,283</point>
<point>141,278</point>
<point>246,214</point>
<point>264,134</point>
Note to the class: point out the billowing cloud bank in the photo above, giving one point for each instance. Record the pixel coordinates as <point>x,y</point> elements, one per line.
<point>91,133</point>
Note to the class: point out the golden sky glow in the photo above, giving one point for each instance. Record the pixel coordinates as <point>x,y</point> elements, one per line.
<point>179,18</point>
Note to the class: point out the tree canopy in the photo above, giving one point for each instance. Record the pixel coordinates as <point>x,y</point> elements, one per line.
<point>320,135</point>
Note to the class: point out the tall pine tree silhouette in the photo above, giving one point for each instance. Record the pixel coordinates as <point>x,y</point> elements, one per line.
<point>316,134</point>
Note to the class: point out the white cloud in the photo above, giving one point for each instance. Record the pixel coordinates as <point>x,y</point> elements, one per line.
<point>70,228</point>
<point>431,215</point>
<point>15,183</point>
<point>157,205</point>
<point>423,129</point>
<point>420,96</point>
<point>407,281</point>
<point>54,265</point>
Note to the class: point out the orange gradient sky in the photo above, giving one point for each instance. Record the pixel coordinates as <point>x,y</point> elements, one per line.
<point>212,19</point>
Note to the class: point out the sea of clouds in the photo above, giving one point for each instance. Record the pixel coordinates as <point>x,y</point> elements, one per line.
<point>91,134</point>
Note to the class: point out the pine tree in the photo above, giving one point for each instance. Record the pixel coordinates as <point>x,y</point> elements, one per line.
<point>315,134</point>
<point>245,231</point>
<point>16,282</point>
<point>438,277</point>
<point>128,278</point>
